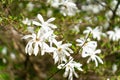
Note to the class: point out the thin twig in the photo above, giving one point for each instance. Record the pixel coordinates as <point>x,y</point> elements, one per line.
<point>114,11</point>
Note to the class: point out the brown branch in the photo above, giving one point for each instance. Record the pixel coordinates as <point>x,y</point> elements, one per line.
<point>114,13</point>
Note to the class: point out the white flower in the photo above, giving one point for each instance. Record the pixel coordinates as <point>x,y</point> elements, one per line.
<point>86,46</point>
<point>12,55</point>
<point>49,13</point>
<point>114,68</point>
<point>36,41</point>
<point>92,53</point>
<point>4,60</point>
<point>70,67</point>
<point>113,4</point>
<point>108,78</point>
<point>54,3</point>
<point>75,28</point>
<point>108,15</point>
<point>30,6</point>
<point>46,25</point>
<point>89,8</point>
<point>62,50</point>
<point>114,35</point>
<point>95,32</point>
<point>89,49</point>
<point>4,50</point>
<point>68,8</point>
<point>27,21</point>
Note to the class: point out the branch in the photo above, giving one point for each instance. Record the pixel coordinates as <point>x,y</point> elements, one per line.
<point>114,13</point>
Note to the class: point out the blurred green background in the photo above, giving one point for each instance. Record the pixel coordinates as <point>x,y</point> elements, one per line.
<point>15,64</point>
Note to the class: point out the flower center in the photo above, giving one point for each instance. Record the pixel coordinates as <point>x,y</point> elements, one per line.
<point>59,49</point>
<point>37,39</point>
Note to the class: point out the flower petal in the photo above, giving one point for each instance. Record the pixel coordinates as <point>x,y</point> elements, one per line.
<point>50,20</point>
<point>40,18</point>
<point>36,49</point>
<point>99,59</point>
<point>36,23</point>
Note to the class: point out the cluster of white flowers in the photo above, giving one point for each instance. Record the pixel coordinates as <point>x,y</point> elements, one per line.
<point>44,41</point>
<point>38,40</point>
<point>30,6</point>
<point>113,35</point>
<point>93,8</point>
<point>67,7</point>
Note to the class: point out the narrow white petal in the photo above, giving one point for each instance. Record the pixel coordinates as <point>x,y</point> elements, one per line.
<point>55,57</point>
<point>26,36</point>
<point>40,18</point>
<point>99,59</point>
<point>26,48</point>
<point>42,52</point>
<point>70,75</point>
<point>76,75</point>
<point>60,66</point>
<point>66,72</point>
<point>96,62</point>
<point>89,60</point>
<point>52,26</point>
<point>36,49</point>
<point>30,48</point>
<point>50,49</point>
<point>66,53</point>
<point>97,51</point>
<point>70,50</point>
<point>50,20</point>
<point>36,23</point>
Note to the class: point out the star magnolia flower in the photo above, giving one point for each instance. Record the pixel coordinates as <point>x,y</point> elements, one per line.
<point>86,45</point>
<point>114,35</point>
<point>62,50</point>
<point>89,49</point>
<point>54,3</point>
<point>36,41</point>
<point>46,25</point>
<point>95,32</point>
<point>68,8</point>
<point>27,21</point>
<point>70,68</point>
<point>92,53</point>
<point>91,45</point>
